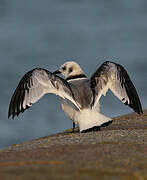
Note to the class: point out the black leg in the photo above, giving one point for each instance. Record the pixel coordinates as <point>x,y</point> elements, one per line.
<point>73,128</point>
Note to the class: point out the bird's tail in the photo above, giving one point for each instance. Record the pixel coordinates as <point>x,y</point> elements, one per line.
<point>87,119</point>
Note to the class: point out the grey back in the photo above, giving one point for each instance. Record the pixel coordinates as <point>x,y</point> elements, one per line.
<point>82,92</point>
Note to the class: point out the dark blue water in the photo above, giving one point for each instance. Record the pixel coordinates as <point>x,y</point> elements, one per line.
<point>47,33</point>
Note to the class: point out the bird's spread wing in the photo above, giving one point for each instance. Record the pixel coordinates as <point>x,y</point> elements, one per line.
<point>114,77</point>
<point>35,84</point>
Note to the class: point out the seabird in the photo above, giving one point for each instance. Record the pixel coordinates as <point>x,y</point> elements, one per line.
<point>80,95</point>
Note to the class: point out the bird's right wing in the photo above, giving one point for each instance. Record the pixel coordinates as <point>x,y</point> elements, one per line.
<point>35,84</point>
<point>114,77</point>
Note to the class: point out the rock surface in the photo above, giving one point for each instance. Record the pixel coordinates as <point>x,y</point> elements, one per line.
<point>118,151</point>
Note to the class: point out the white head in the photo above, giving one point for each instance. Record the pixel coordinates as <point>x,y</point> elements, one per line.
<point>70,69</point>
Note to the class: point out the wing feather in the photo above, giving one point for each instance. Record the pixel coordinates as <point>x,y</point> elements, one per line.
<point>114,77</point>
<point>35,84</point>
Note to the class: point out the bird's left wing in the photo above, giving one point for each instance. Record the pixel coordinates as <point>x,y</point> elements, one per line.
<point>114,77</point>
<point>35,84</point>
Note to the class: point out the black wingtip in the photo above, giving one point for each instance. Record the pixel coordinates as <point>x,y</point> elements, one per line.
<point>12,116</point>
<point>9,111</point>
<point>135,103</point>
<point>9,115</point>
<point>140,112</point>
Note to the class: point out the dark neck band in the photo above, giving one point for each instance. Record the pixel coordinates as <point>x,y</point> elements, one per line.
<point>76,77</point>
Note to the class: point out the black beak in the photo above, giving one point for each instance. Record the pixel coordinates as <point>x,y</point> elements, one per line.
<point>57,72</point>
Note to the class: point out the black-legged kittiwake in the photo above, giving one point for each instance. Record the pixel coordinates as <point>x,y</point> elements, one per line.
<point>80,95</point>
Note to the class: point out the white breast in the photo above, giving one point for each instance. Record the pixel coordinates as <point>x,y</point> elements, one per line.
<point>69,109</point>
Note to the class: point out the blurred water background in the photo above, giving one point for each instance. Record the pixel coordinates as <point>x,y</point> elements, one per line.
<point>46,33</point>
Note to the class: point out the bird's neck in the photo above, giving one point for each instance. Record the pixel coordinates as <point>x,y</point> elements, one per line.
<point>77,76</point>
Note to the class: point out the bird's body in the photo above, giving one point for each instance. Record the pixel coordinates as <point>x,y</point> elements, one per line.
<point>80,95</point>
<point>81,91</point>
<point>84,96</point>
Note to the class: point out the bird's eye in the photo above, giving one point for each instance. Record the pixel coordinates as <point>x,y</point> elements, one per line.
<point>70,70</point>
<point>64,68</point>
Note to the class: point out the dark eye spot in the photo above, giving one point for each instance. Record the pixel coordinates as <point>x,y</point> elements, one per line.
<point>64,68</point>
<point>70,70</point>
